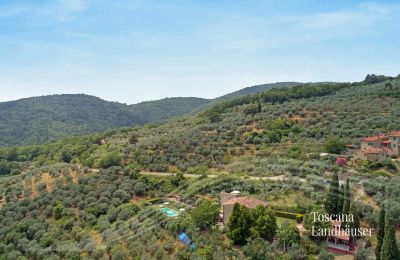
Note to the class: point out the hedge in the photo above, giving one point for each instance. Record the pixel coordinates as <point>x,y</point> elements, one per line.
<point>290,209</point>
<point>289,215</point>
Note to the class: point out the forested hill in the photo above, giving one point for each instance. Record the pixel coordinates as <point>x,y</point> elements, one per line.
<point>153,111</point>
<point>301,118</point>
<point>40,119</point>
<point>256,89</point>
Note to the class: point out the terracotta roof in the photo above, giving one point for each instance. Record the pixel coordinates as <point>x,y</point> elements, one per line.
<point>395,133</point>
<point>339,232</point>
<point>373,138</point>
<point>246,201</point>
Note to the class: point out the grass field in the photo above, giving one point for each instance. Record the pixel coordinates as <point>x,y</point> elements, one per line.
<point>281,220</point>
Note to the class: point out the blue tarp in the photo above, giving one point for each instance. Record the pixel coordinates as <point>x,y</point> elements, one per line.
<point>185,239</point>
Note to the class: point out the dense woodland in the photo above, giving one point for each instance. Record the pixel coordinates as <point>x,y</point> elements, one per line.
<point>41,119</point>
<point>85,197</point>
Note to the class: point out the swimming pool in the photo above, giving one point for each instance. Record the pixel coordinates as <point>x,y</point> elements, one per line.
<point>169,212</point>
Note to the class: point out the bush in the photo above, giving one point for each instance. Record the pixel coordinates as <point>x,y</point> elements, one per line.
<point>289,215</point>
<point>127,211</point>
<point>205,214</point>
<point>58,210</point>
<point>109,159</point>
<point>334,145</point>
<point>139,189</point>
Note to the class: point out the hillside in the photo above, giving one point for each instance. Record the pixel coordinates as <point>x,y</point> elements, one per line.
<point>93,195</point>
<point>40,119</point>
<point>256,89</point>
<point>159,110</point>
<point>288,117</point>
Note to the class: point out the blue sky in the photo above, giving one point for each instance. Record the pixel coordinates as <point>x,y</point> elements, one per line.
<point>131,51</point>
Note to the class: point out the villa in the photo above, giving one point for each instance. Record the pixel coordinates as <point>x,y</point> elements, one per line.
<point>379,147</point>
<point>228,200</point>
<point>340,241</point>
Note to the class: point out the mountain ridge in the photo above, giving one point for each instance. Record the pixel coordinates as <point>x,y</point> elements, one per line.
<point>45,118</point>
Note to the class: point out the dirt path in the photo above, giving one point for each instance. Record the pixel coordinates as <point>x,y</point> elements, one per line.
<point>167,174</point>
<point>187,175</point>
<point>360,194</point>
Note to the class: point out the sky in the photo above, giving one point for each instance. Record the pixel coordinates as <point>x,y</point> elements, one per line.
<point>136,50</point>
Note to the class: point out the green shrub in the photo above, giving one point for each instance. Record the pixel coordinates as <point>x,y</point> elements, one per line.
<point>289,215</point>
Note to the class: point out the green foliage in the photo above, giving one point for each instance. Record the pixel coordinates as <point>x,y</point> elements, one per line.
<point>288,234</point>
<point>380,235</point>
<point>58,211</point>
<point>364,254</point>
<point>239,224</point>
<point>295,216</point>
<point>334,145</point>
<point>325,255</point>
<point>259,249</point>
<point>126,211</point>
<point>109,159</point>
<point>257,89</point>
<point>284,137</point>
<point>263,223</point>
<point>341,199</point>
<point>7,168</point>
<point>296,152</point>
<point>310,223</point>
<point>40,119</point>
<point>347,197</point>
<point>373,79</point>
<point>332,198</point>
<point>205,214</point>
<point>184,144</point>
<point>355,224</point>
<point>389,248</point>
<point>245,223</point>
<point>178,179</point>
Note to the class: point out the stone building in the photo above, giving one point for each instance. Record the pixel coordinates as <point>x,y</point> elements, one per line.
<point>379,147</point>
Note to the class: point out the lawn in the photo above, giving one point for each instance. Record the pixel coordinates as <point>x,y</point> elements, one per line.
<point>280,220</point>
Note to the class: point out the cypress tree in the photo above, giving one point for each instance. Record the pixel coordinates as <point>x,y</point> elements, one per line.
<point>331,201</point>
<point>340,199</point>
<point>389,250</point>
<point>356,218</point>
<point>234,221</point>
<point>239,224</point>
<point>347,198</point>
<point>380,233</point>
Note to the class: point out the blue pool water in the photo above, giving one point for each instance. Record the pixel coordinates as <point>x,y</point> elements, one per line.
<point>169,212</point>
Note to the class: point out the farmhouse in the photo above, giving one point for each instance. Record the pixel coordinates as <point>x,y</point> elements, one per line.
<point>339,241</point>
<point>228,200</point>
<point>379,147</point>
